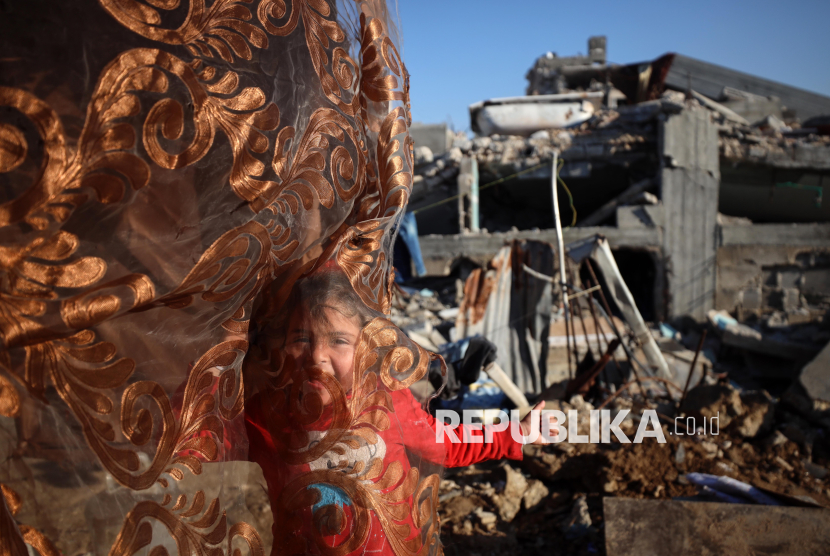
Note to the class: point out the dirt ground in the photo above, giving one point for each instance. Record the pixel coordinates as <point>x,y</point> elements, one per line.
<point>579,476</point>
<point>550,501</point>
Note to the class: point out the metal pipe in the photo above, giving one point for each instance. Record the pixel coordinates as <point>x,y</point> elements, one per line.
<point>575,306</point>
<point>561,248</point>
<point>599,332</point>
<point>607,314</point>
<point>474,217</point>
<point>583,383</point>
<point>583,292</point>
<point>692,368</point>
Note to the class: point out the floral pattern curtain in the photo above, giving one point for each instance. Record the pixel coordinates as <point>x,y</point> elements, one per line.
<point>168,170</point>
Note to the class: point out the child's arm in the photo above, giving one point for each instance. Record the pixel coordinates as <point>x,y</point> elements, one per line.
<point>419,432</point>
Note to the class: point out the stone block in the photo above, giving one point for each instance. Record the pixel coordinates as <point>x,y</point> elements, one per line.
<point>790,299</point>
<point>752,299</point>
<point>737,274</point>
<point>815,378</point>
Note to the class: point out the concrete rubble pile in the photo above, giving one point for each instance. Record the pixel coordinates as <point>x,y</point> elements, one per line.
<point>423,316</point>
<point>707,186</point>
<point>775,445</point>
<point>626,133</point>
<point>770,141</point>
<point>554,498</point>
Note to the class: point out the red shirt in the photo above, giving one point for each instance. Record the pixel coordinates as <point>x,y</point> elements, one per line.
<point>333,501</point>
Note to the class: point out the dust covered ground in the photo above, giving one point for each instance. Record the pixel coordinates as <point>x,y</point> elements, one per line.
<point>552,500</point>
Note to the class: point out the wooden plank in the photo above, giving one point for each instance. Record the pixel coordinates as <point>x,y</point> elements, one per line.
<point>508,387</point>
<point>660,527</point>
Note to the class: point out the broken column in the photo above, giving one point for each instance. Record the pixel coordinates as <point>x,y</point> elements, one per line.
<point>468,217</point>
<point>689,180</point>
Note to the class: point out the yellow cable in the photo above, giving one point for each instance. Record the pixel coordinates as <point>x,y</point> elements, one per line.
<point>570,197</point>
<point>506,178</point>
<point>496,182</point>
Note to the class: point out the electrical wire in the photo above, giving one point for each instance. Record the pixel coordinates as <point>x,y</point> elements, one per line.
<point>510,177</point>
<point>568,191</point>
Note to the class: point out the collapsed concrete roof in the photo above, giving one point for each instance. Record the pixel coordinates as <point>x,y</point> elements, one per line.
<point>715,82</point>
<point>750,96</point>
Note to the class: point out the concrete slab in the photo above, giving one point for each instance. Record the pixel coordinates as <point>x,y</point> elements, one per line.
<point>447,247</point>
<point>710,79</point>
<point>435,136</point>
<point>815,377</point>
<point>660,527</point>
<point>689,182</point>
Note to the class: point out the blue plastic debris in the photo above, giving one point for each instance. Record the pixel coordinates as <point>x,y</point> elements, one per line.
<point>732,488</point>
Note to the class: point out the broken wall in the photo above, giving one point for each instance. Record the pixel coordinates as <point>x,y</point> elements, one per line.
<point>690,177</point>
<point>782,267</point>
<point>437,137</point>
<point>698,162</point>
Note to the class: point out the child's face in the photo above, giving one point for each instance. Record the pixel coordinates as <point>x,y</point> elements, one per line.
<point>328,343</point>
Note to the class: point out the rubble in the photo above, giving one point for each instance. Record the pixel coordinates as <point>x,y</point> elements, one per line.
<point>534,494</point>
<point>509,501</point>
<point>758,416</point>
<point>423,155</point>
<point>574,479</point>
<point>693,528</point>
<point>578,523</point>
<point>710,402</point>
<point>488,520</point>
<point>749,338</point>
<point>554,496</point>
<point>717,322</point>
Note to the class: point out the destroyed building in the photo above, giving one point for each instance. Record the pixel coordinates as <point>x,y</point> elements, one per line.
<point>710,198</point>
<point>696,192</point>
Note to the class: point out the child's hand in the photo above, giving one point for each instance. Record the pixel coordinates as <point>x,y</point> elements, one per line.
<point>525,424</point>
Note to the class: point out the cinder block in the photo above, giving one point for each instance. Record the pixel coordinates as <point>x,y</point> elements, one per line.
<point>791,299</point>
<point>752,299</point>
<point>737,275</point>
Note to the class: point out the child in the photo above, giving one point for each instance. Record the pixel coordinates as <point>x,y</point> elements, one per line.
<point>335,431</point>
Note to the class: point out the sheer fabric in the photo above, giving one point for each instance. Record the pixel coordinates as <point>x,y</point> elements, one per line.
<point>169,171</point>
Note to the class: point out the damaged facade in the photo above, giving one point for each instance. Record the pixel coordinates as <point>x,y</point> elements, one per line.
<point>682,202</point>
<point>722,212</point>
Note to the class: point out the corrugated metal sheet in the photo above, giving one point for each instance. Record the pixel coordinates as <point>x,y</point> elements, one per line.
<point>513,310</point>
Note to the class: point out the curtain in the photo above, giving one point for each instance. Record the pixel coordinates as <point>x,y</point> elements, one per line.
<point>169,170</point>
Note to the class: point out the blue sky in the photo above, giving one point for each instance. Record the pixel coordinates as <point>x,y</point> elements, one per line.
<point>462,51</point>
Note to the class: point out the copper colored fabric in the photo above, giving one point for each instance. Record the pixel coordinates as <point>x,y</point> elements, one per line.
<point>168,170</point>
